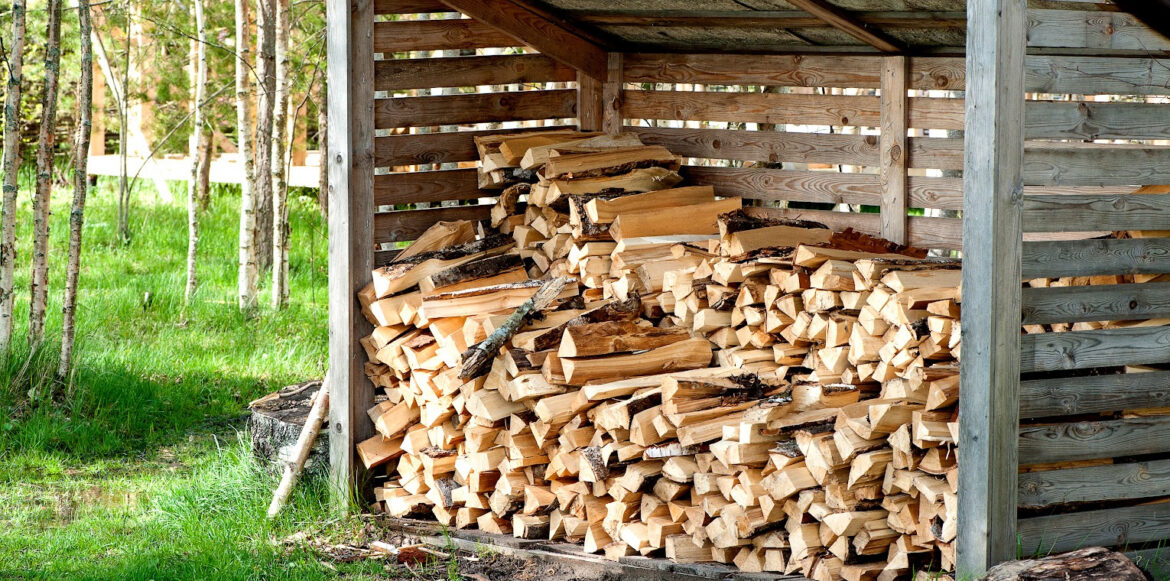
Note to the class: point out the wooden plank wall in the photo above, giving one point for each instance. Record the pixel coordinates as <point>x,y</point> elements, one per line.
<point>440,80</point>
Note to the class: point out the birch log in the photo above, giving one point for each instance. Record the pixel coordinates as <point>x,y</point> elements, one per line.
<point>304,445</point>
<point>196,153</point>
<point>44,182</point>
<point>11,165</point>
<point>80,185</point>
<point>249,269</point>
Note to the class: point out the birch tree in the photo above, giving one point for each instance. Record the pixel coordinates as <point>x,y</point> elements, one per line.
<point>196,151</point>
<point>11,165</point>
<point>265,69</point>
<point>80,185</point>
<point>279,156</point>
<point>46,140</point>
<point>249,270</point>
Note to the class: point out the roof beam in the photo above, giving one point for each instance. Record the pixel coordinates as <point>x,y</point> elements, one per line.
<point>844,21</point>
<point>543,32</point>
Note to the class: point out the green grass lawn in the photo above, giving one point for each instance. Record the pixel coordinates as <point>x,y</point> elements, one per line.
<point>144,472</point>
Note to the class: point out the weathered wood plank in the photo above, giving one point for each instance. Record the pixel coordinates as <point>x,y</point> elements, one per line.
<point>589,102</point>
<point>1092,29</point>
<point>923,232</point>
<point>408,6</point>
<point>612,94</point>
<point>351,206</point>
<point>759,146</point>
<point>1096,165</point>
<point>1107,527</point>
<point>833,187</point>
<point>1096,257</point>
<point>1078,213</point>
<point>936,152</point>
<point>1096,348</point>
<point>451,34</point>
<point>541,31</point>
<point>990,367</point>
<point>475,108</point>
<point>1112,302</point>
<point>1093,75</point>
<point>408,224</point>
<point>447,147</point>
<point>1073,441</point>
<point>425,186</point>
<point>1089,120</point>
<point>847,23</point>
<point>470,71</point>
<point>892,149</point>
<point>1095,483</point>
<point>753,107</point>
<point>1094,393</point>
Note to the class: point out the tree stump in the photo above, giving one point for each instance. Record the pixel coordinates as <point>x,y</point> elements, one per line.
<point>276,422</point>
<point>1089,564</point>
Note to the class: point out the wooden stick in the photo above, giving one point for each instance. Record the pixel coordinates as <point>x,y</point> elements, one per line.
<point>292,470</point>
<point>478,358</point>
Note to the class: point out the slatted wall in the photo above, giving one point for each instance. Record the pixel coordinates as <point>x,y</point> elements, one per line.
<point>440,79</point>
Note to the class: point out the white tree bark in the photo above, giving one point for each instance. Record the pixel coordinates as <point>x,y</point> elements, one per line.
<point>80,185</point>
<point>39,291</point>
<point>196,152</point>
<point>249,269</point>
<point>279,154</point>
<point>266,93</point>
<point>11,165</point>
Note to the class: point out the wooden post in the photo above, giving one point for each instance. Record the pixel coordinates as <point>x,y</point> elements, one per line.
<point>599,100</point>
<point>351,224</point>
<point>992,241</point>
<point>893,149</point>
<point>589,102</point>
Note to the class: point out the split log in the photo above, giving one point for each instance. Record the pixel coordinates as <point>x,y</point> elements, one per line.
<point>478,358</point>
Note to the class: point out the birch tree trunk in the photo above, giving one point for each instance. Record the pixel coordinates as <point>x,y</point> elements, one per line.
<point>44,188</point>
<point>323,148</point>
<point>196,153</point>
<point>265,69</point>
<point>80,185</point>
<point>249,270</point>
<point>11,165</point>
<point>279,155</point>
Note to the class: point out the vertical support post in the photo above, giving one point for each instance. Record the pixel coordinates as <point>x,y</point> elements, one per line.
<point>992,241</point>
<point>351,225</point>
<point>892,171</point>
<point>599,100</point>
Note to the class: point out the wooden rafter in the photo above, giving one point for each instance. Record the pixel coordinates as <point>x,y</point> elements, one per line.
<point>844,21</point>
<point>540,31</point>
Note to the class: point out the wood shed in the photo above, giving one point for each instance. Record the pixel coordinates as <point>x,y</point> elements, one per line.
<point>1012,131</point>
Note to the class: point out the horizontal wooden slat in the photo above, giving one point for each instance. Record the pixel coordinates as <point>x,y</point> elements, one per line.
<point>1073,441</point>
<point>474,108</point>
<point>1107,527</point>
<point>1053,259</point>
<point>1084,29</point>
<point>408,224</point>
<point>425,186</point>
<point>1094,75</point>
<point>759,183</point>
<point>1095,164</point>
<point>408,6</point>
<point>425,73</point>
<point>922,232</point>
<point>1109,302</point>
<point>1096,348</point>
<point>1079,213</point>
<point>447,147</point>
<point>763,146</point>
<point>451,34</point>
<point>1090,120</point>
<point>1095,483</point>
<point>752,107</point>
<point>936,152</point>
<point>1094,393</point>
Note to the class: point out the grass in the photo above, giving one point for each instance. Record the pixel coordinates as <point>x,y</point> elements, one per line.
<point>143,472</point>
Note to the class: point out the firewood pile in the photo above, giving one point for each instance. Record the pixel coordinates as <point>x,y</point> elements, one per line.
<point>714,385</point>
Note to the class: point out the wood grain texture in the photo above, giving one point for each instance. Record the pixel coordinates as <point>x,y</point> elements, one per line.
<point>1078,213</point>
<point>753,107</point>
<point>990,367</point>
<point>589,102</point>
<point>426,186</point>
<point>1112,302</point>
<point>408,6</point>
<point>892,149</point>
<point>1070,442</point>
<point>847,23</point>
<point>1092,75</point>
<point>408,224</point>
<point>833,187</point>
<point>758,146</point>
<point>1088,120</point>
<point>1095,483</point>
<point>1092,29</point>
<point>1094,393</point>
<point>451,34</point>
<point>469,71</point>
<point>923,232</point>
<point>1096,348</point>
<point>351,168</point>
<point>448,147</point>
<point>1096,165</point>
<point>936,152</point>
<point>1107,527</point>
<point>539,31</point>
<point>1096,257</point>
<point>475,108</point>
<point>613,94</point>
